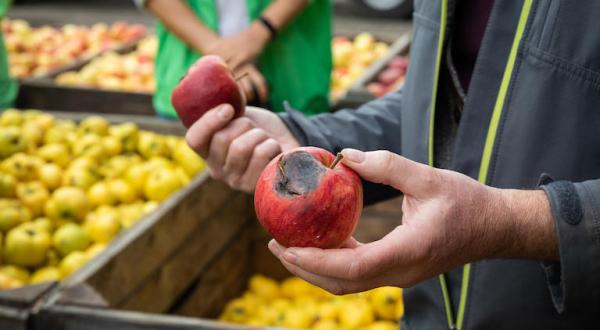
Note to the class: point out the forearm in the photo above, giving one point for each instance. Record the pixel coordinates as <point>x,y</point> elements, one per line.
<point>528,231</point>
<point>180,20</point>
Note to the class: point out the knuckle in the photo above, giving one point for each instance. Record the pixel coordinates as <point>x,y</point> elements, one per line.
<point>237,147</point>
<point>220,138</point>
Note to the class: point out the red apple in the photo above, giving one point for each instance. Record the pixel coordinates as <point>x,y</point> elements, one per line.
<point>376,88</point>
<point>399,62</point>
<point>207,84</point>
<point>389,75</point>
<point>303,202</point>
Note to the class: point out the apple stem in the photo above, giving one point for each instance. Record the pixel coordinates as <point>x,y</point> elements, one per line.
<point>241,76</point>
<point>337,159</point>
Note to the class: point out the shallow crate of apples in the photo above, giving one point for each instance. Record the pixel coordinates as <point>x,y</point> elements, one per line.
<point>35,51</point>
<point>67,189</point>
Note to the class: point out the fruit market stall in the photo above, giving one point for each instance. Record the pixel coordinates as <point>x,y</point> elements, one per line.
<point>39,50</point>
<point>384,76</point>
<point>122,81</point>
<point>72,186</point>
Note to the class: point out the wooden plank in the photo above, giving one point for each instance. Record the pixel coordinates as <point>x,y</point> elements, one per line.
<point>222,280</point>
<point>163,287</point>
<point>78,318</point>
<point>143,249</point>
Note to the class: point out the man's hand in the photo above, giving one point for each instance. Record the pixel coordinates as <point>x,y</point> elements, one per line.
<point>448,220</point>
<point>237,151</point>
<point>242,48</point>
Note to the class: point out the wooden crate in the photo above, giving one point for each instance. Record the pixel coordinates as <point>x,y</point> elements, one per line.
<point>202,197</point>
<point>184,289</point>
<point>358,92</point>
<point>43,93</point>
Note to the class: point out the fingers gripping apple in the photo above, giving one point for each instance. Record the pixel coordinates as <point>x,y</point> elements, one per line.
<point>303,202</point>
<point>207,84</point>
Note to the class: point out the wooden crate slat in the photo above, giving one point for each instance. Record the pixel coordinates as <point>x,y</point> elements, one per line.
<point>195,254</point>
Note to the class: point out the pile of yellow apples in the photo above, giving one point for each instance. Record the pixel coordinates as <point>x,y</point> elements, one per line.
<point>67,189</point>
<point>295,303</point>
<point>351,58</point>
<point>132,72</point>
<point>34,51</point>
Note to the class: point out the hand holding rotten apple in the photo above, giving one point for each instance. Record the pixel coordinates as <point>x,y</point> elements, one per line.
<point>448,220</point>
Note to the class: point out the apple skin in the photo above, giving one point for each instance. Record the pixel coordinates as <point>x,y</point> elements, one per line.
<point>207,84</point>
<point>310,205</point>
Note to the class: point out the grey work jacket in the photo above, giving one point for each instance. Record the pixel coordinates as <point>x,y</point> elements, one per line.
<point>533,107</point>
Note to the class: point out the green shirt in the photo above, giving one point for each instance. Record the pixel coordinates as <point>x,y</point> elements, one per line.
<point>296,65</point>
<point>8,87</point>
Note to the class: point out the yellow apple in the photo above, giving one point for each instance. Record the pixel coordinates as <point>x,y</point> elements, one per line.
<point>26,246</point>
<point>161,183</point>
<point>102,226</point>
<point>55,153</point>
<point>12,213</point>
<point>82,177</point>
<point>71,263</point>
<point>99,194</point>
<point>50,175</point>
<point>11,141</point>
<point>70,237</point>
<point>188,159</point>
<point>112,145</point>
<point>89,145</point>
<point>67,203</point>
<point>15,272</point>
<point>8,185</point>
<point>94,250</point>
<point>94,124</point>
<point>33,195</point>
<point>45,274</point>
<point>122,191</point>
<point>127,133</point>
<point>152,145</point>
<point>11,117</point>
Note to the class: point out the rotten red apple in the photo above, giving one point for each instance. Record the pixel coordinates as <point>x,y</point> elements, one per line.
<point>207,84</point>
<point>305,198</point>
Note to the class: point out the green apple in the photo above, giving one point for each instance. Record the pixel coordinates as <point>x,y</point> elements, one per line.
<point>26,246</point>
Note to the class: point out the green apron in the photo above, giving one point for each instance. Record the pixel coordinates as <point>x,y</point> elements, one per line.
<point>8,87</point>
<point>296,65</point>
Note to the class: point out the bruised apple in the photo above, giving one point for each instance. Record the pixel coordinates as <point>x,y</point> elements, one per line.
<point>305,198</point>
<point>207,84</point>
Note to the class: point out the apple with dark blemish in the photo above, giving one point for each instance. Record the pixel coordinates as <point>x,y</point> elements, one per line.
<point>306,198</point>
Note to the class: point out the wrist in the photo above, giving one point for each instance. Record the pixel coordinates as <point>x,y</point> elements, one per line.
<point>528,226</point>
<point>260,33</point>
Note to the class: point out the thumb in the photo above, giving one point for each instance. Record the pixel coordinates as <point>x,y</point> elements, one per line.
<point>390,169</point>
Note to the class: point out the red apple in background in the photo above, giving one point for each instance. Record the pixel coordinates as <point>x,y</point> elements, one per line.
<point>390,75</point>
<point>301,201</point>
<point>376,88</point>
<point>399,62</point>
<point>207,84</point>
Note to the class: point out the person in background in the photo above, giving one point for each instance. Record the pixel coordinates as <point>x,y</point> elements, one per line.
<point>284,46</point>
<point>8,87</point>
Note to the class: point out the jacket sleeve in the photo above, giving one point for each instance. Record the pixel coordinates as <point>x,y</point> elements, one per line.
<point>373,126</point>
<point>575,281</point>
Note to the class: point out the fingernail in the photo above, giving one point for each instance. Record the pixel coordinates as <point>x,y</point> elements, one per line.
<point>274,248</point>
<point>353,155</point>
<point>225,112</point>
<point>291,257</point>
